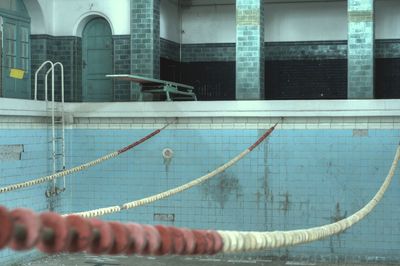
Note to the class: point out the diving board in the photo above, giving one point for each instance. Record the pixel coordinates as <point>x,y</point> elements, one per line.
<point>172,90</point>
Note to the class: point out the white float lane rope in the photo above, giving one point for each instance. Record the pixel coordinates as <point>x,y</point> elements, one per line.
<point>168,193</point>
<point>81,167</point>
<point>242,241</point>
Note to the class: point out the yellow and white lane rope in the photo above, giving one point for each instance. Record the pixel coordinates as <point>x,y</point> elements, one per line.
<point>170,192</point>
<point>80,167</point>
<point>242,241</point>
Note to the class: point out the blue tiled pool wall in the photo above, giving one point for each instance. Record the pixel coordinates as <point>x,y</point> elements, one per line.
<point>34,162</point>
<point>295,179</point>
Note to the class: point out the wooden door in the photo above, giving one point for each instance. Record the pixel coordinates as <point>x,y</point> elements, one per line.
<point>97,62</point>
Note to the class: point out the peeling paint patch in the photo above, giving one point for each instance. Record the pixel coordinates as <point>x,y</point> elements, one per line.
<point>11,152</point>
<point>360,132</point>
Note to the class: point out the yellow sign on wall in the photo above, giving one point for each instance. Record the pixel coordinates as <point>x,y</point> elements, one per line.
<point>17,73</point>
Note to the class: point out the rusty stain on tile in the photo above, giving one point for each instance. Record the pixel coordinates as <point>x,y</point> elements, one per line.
<point>338,216</point>
<point>285,203</point>
<point>335,218</point>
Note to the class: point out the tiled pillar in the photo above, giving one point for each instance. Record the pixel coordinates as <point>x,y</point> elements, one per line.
<point>360,49</point>
<point>122,64</point>
<point>249,49</point>
<point>145,40</point>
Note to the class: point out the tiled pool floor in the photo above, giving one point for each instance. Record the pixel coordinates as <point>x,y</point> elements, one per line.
<point>87,260</point>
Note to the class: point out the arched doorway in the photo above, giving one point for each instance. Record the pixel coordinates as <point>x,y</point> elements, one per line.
<point>97,55</point>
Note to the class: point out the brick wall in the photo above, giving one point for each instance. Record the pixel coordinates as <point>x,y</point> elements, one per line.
<point>287,66</point>
<point>68,51</point>
<point>306,50</point>
<point>209,52</point>
<point>303,70</point>
<point>169,50</point>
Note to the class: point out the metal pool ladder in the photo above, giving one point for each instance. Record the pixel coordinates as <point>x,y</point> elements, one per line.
<point>57,120</point>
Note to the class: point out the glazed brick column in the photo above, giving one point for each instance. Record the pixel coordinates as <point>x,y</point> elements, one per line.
<point>145,40</point>
<point>122,65</point>
<point>249,50</point>
<point>360,49</point>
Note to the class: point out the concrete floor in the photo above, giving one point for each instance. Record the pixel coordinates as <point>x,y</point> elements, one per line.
<point>88,260</point>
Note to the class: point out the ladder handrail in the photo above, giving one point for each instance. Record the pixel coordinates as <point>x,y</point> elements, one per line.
<point>53,108</point>
<point>52,70</point>
<point>36,74</point>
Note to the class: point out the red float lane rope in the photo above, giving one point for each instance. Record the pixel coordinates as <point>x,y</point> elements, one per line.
<point>263,137</point>
<point>176,190</point>
<point>22,229</point>
<point>82,166</point>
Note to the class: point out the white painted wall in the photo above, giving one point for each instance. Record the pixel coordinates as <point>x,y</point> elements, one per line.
<point>387,16</point>
<point>41,13</point>
<point>306,21</point>
<point>283,22</point>
<point>170,20</point>
<point>65,18</point>
<point>70,13</point>
<point>209,24</point>
<point>214,23</point>
<point>301,21</point>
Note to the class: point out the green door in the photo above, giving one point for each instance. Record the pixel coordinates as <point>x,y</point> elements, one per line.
<point>15,56</point>
<point>97,61</point>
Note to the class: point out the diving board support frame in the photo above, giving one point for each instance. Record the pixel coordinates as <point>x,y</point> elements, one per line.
<point>156,86</point>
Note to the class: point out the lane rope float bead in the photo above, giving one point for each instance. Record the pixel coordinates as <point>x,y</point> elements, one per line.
<point>103,237</point>
<point>179,240</point>
<point>6,227</point>
<point>80,233</point>
<point>26,229</point>
<point>121,238</point>
<point>167,242</point>
<point>153,240</point>
<point>190,241</point>
<point>201,242</point>
<point>138,239</point>
<point>54,233</point>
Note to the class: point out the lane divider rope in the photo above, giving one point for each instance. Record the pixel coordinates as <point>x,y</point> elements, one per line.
<point>82,166</point>
<point>49,232</point>
<point>173,191</point>
<point>237,241</point>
